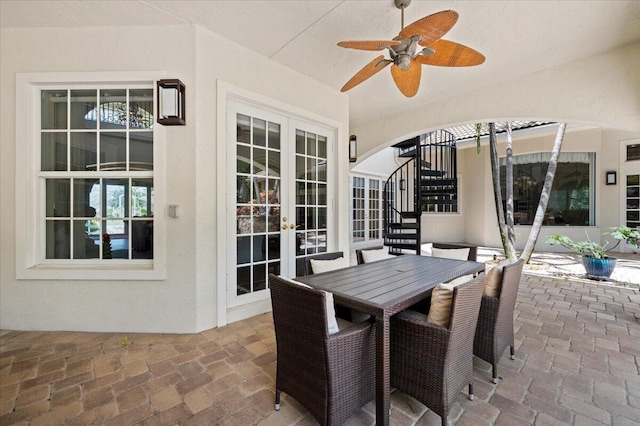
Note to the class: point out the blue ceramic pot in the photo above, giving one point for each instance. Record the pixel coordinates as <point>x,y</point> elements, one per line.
<point>598,269</point>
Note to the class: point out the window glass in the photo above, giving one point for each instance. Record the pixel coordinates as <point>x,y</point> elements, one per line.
<point>633,152</point>
<point>571,198</point>
<point>99,186</point>
<point>83,101</point>
<point>140,151</point>
<point>53,152</point>
<point>53,109</point>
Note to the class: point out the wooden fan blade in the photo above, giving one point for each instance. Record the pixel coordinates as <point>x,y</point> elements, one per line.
<point>407,81</point>
<point>367,71</point>
<point>369,44</point>
<point>431,27</point>
<point>451,54</point>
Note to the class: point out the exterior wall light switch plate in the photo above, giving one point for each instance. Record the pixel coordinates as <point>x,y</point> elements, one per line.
<point>173,211</point>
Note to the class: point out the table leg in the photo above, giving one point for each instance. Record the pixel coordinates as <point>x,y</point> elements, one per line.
<point>383,373</point>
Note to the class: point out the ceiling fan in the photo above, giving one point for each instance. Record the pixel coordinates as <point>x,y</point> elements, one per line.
<point>405,56</point>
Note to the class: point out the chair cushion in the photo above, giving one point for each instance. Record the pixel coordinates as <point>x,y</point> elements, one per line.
<point>461,280</point>
<point>411,314</point>
<point>493,280</point>
<point>440,309</point>
<point>374,255</point>
<point>458,253</point>
<point>426,249</point>
<point>332,322</point>
<point>318,266</point>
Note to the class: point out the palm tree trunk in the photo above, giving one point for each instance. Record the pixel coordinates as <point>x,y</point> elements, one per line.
<point>509,249</point>
<point>511,235</point>
<point>544,195</point>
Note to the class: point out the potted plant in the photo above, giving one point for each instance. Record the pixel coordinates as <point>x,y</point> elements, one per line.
<point>594,255</point>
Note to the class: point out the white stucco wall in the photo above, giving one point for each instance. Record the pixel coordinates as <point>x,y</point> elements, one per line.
<point>186,301</point>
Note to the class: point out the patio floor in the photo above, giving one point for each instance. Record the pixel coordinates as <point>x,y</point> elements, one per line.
<point>577,362</point>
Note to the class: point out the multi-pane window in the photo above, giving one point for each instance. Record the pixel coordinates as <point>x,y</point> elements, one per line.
<point>96,173</point>
<point>571,201</point>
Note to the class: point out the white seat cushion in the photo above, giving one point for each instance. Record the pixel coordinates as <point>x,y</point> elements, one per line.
<point>426,249</point>
<point>461,280</point>
<point>440,309</point>
<point>458,253</point>
<point>332,322</point>
<point>318,266</point>
<point>369,256</point>
<point>493,280</point>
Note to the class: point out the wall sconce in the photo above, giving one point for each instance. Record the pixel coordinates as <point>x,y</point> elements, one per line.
<point>171,103</point>
<point>611,178</point>
<point>353,148</point>
<point>402,184</point>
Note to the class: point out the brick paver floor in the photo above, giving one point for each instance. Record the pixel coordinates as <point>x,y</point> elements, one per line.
<point>577,362</point>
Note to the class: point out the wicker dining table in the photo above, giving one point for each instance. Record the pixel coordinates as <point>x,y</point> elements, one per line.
<point>382,289</point>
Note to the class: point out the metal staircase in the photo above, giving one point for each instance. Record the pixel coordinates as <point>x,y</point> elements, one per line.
<point>426,181</point>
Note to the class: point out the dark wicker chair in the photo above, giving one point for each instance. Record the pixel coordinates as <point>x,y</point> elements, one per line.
<point>360,259</point>
<point>495,322</point>
<point>473,248</point>
<point>432,363</point>
<point>332,375</point>
<point>303,264</point>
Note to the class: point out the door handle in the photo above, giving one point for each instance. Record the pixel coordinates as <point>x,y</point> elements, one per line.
<point>284,226</point>
<point>292,226</point>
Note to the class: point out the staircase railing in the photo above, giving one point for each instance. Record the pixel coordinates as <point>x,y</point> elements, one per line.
<point>423,183</point>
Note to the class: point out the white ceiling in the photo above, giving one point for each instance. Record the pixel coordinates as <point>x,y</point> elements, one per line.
<point>517,37</point>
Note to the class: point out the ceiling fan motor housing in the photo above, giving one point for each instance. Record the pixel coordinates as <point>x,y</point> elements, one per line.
<point>402,3</point>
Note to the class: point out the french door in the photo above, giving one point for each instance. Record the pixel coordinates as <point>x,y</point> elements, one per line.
<point>280,196</point>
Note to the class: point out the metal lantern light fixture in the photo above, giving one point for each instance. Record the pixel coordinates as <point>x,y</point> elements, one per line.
<point>353,148</point>
<point>171,102</point>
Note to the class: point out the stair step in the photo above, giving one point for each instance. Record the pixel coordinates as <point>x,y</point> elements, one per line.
<point>438,192</point>
<point>410,215</point>
<point>400,236</point>
<point>429,172</point>
<point>437,182</point>
<point>403,246</point>
<point>439,202</point>
<point>404,225</point>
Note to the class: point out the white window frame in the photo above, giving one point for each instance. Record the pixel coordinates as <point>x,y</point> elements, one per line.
<point>29,254</point>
